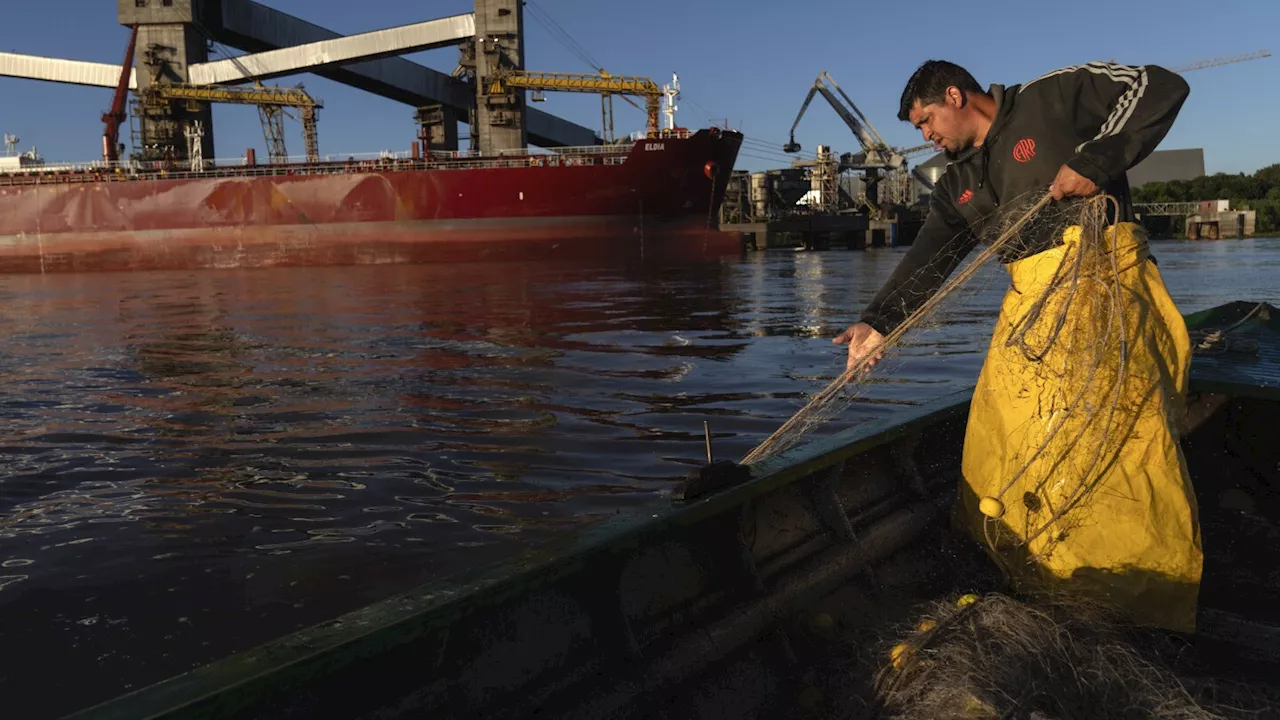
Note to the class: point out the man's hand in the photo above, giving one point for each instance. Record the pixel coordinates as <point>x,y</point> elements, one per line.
<point>1070,183</point>
<point>863,341</point>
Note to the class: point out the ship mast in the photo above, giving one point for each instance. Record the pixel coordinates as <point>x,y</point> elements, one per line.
<point>670,92</point>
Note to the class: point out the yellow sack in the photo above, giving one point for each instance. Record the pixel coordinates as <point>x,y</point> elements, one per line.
<point>1072,443</point>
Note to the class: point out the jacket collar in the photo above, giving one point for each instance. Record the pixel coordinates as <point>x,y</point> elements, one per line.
<point>1004,111</point>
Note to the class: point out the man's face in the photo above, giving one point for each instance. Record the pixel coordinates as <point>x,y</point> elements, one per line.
<point>945,124</point>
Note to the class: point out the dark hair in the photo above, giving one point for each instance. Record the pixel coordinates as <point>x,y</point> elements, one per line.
<point>929,84</point>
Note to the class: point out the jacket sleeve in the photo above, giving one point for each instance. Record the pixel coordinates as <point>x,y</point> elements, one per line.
<point>1126,110</point>
<point>943,241</point>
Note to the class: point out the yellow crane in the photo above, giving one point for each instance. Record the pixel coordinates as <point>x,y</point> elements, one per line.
<point>604,84</point>
<point>271,101</point>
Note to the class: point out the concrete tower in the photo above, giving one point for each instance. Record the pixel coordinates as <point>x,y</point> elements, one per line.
<point>169,41</point>
<point>500,119</point>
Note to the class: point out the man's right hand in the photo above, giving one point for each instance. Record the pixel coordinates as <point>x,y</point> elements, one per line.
<point>864,341</point>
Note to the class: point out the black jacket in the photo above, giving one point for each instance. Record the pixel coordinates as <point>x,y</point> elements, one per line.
<point>1100,119</point>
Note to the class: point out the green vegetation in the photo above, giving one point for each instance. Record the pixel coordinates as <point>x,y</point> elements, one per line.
<point>1259,191</point>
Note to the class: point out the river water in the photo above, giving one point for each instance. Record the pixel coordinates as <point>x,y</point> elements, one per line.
<point>194,463</point>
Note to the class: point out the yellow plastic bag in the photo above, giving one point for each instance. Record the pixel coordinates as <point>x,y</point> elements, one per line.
<point>1072,475</point>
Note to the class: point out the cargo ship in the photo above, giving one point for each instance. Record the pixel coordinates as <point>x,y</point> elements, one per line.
<point>658,194</point>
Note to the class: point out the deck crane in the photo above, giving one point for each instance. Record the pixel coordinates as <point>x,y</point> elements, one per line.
<point>112,119</point>
<point>271,115</point>
<point>604,84</point>
<point>162,100</point>
<point>269,98</point>
<point>160,97</point>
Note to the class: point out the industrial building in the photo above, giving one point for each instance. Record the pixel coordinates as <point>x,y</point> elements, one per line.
<point>1217,220</point>
<point>927,174</point>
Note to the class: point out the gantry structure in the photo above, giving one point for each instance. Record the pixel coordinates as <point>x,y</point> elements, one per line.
<point>173,78</point>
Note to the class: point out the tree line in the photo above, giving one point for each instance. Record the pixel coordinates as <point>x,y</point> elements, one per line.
<point>1259,192</point>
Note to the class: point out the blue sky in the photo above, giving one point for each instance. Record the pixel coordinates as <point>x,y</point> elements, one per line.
<point>750,62</point>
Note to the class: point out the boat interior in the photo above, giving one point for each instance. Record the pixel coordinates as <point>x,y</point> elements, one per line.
<point>776,590</point>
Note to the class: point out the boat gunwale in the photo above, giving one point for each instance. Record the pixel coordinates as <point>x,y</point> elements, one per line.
<point>1228,374</point>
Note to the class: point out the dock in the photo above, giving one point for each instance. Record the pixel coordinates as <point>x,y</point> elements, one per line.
<point>823,231</point>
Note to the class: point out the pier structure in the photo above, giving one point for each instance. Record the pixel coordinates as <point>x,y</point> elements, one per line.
<point>812,205</point>
<point>1203,220</point>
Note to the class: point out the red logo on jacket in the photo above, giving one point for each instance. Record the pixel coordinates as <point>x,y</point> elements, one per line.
<point>965,197</point>
<point>1024,150</point>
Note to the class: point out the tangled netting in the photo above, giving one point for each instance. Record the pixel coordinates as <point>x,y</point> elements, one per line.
<point>1073,329</point>
<point>1219,341</point>
<point>998,239</point>
<point>995,657</point>
<point>1088,267</point>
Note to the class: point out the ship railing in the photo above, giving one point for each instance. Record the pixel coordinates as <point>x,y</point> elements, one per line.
<point>615,148</point>
<point>526,161</point>
<point>383,155</point>
<point>330,158</point>
<point>328,165</point>
<point>154,165</point>
<point>676,133</point>
<point>610,154</point>
<point>521,153</point>
<point>664,134</point>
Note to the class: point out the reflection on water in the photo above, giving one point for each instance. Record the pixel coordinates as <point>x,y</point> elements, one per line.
<point>194,463</point>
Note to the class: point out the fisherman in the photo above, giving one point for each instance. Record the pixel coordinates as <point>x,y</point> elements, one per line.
<point>1134,541</point>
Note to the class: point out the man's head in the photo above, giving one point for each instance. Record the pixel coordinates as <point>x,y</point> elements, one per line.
<point>938,100</point>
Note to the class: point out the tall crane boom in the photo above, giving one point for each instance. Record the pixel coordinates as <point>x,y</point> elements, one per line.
<point>1227,60</point>
<point>271,98</point>
<point>255,95</point>
<point>112,119</point>
<point>604,84</point>
<point>876,153</point>
<point>911,152</point>
<point>880,163</point>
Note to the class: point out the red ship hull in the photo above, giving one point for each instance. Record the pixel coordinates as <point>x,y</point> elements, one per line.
<point>660,198</point>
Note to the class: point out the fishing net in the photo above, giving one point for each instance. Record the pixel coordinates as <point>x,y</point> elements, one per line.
<point>1025,220</point>
<point>996,657</point>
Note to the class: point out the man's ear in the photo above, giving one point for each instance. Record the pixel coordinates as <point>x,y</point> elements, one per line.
<point>956,97</point>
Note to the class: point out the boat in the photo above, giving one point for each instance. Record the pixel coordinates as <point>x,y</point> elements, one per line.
<point>697,607</point>
<point>656,195</point>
